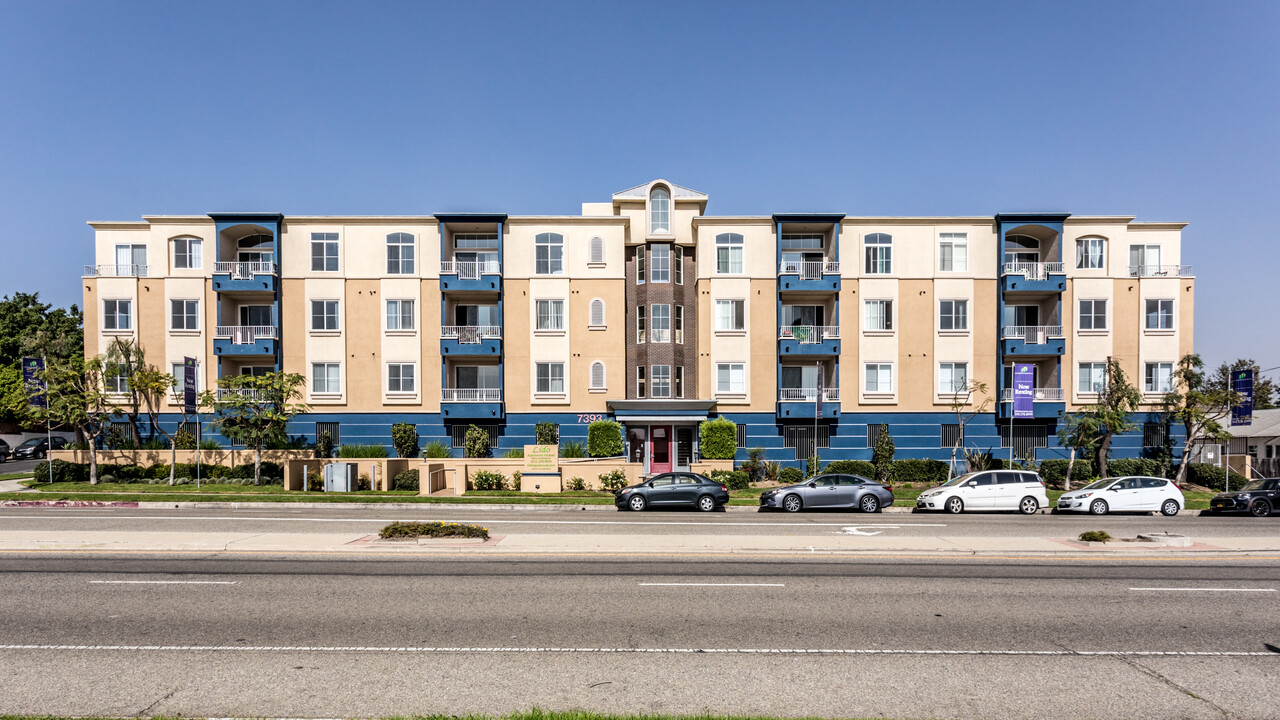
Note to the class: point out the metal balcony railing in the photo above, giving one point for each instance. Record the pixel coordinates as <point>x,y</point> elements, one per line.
<point>468,334</point>
<point>228,393</point>
<point>470,395</point>
<point>471,270</point>
<point>246,334</point>
<point>808,394</point>
<point>116,270</point>
<point>808,334</point>
<point>1033,334</point>
<point>809,270</point>
<point>1041,395</point>
<point>1159,271</point>
<point>246,270</point>
<point>1032,270</point>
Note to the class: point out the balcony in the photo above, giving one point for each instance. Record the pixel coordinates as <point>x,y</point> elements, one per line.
<point>471,340</point>
<point>245,276</point>
<point>817,276</point>
<point>801,403</point>
<point>1041,395</point>
<point>116,271</point>
<point>1037,277</point>
<point>808,340</point>
<point>471,403</point>
<point>241,340</point>
<point>246,393</point>
<point>1160,271</point>
<point>470,276</point>
<point>1046,403</point>
<point>1032,340</point>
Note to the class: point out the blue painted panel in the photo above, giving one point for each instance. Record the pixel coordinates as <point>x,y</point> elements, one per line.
<point>262,346</point>
<point>489,347</point>
<point>796,411</point>
<point>1015,349</point>
<point>1040,410</point>
<point>488,282</point>
<point>1016,283</point>
<point>795,348</point>
<point>793,283</point>
<point>222,283</point>
<point>472,411</point>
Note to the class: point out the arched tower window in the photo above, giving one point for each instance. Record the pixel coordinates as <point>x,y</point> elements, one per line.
<point>660,212</point>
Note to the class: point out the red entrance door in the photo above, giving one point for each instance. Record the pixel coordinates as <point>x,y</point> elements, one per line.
<point>660,449</point>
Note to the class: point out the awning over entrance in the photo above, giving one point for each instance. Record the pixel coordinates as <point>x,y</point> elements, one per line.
<point>673,411</point>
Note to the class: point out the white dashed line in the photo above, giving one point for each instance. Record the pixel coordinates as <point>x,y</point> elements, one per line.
<point>711,585</point>
<point>1203,589</point>
<point>162,582</point>
<point>490,521</point>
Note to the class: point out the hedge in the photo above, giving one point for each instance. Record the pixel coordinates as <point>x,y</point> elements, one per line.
<point>488,480</point>
<point>1134,466</point>
<point>734,479</point>
<point>791,476</point>
<point>604,439</point>
<point>719,438</point>
<point>63,471</point>
<point>933,472</point>
<point>406,480</point>
<point>1054,471</point>
<point>851,467</point>
<point>1213,477</point>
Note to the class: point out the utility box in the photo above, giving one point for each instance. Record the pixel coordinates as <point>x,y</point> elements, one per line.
<point>340,477</point>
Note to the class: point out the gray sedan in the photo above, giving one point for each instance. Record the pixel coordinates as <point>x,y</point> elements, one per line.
<point>848,492</point>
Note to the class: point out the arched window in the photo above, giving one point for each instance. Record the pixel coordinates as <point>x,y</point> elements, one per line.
<point>400,254</point>
<point>187,253</point>
<point>879,251</point>
<point>597,251</point>
<point>1021,249</point>
<point>597,375</point>
<point>597,313</point>
<point>1090,253</point>
<point>659,212</point>
<point>549,254</point>
<point>255,248</point>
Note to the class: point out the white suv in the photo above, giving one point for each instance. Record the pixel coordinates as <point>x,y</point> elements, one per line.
<point>1125,494</point>
<point>1019,490</point>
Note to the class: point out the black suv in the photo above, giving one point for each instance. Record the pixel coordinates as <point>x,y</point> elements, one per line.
<point>1259,498</point>
<point>37,448</point>
<point>4,451</point>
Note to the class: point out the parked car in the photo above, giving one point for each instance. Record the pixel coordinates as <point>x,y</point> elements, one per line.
<point>37,448</point>
<point>1125,494</point>
<point>4,451</point>
<point>674,489</point>
<point>1259,498</point>
<point>1019,490</point>
<point>830,491</point>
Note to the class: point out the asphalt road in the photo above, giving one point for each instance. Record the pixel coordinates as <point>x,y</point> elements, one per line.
<point>208,636</point>
<point>17,466</point>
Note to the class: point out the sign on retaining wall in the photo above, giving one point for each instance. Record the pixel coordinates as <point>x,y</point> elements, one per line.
<point>541,458</point>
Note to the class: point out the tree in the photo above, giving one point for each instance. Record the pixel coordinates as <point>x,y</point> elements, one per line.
<point>1078,432</point>
<point>30,327</point>
<point>76,398</point>
<point>149,385</point>
<point>1110,415</point>
<point>1199,404</point>
<point>1265,394</point>
<point>125,358</point>
<point>959,403</point>
<point>404,438</point>
<point>882,455</point>
<point>15,406</point>
<point>254,409</point>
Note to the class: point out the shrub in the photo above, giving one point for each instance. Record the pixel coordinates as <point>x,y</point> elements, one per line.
<point>1095,536</point>
<point>354,450</point>
<point>158,472</point>
<point>754,464</point>
<point>155,443</point>
<point>106,478</point>
<point>573,449</point>
<point>404,438</point>
<point>547,432</point>
<point>604,439</point>
<point>613,480</point>
<point>210,445</point>
<point>324,445</point>
<point>182,481</point>
<point>851,467</point>
<point>131,472</point>
<point>63,471</point>
<point>1054,471</point>
<point>435,528</point>
<point>1134,466</point>
<point>315,481</point>
<point>405,480</point>
<point>183,440</point>
<point>771,471</point>
<point>476,443</point>
<point>515,482</point>
<point>734,479</point>
<point>813,466</point>
<point>882,455</point>
<point>1213,477</point>
<point>719,438</point>
<point>514,453</point>
<point>436,449</point>
<point>933,472</point>
<point>576,484</point>
<point>791,476</point>
<point>488,480</point>
<point>363,482</point>
<point>285,442</point>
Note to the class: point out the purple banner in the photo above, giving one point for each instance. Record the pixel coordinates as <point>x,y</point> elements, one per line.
<point>31,377</point>
<point>817,408</point>
<point>1242,384</point>
<point>1024,390</point>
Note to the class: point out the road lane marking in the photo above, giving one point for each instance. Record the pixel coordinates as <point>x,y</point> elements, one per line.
<point>163,582</point>
<point>506,521</point>
<point>1205,589</point>
<point>642,651</point>
<point>711,584</point>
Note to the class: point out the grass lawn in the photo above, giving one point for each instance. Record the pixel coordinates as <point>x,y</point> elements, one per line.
<point>14,476</point>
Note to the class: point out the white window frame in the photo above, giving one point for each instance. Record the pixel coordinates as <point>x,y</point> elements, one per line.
<point>1160,315</point>
<point>877,251</point>
<point>335,379</point>
<point>595,257</point>
<point>660,329</point>
<point>880,369</point>
<point>550,378</point>
<point>413,378</point>
<point>958,244</point>
<point>187,314</point>
<point>885,314</point>
<point>326,239</point>
<point>1147,249</point>
<point>194,253</point>
<point>640,382</point>
<point>641,326</point>
<point>603,383</point>
<point>1086,258</point>
<point>403,265</point>
<point>115,316</point>
<point>736,386</point>
<point>548,252</point>
<point>737,309</point>
<point>677,264</point>
<point>677,382</point>
<point>659,211</point>
<point>178,370</point>
<point>677,324</point>
<point>660,263</point>
<point>1092,315</point>
<point>596,318</point>
<point>115,383</point>
<point>642,264</point>
<point>398,326</point>
<point>1164,378</point>
<point>949,369</point>
<point>660,374</point>
<point>548,316</point>
<point>730,252</point>
<point>959,320</point>
<point>324,314</point>
<point>1093,369</point>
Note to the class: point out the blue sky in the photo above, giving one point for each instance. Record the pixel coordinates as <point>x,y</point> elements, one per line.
<point>1166,110</point>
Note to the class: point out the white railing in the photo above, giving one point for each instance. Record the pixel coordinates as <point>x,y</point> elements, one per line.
<point>115,270</point>
<point>470,394</point>
<point>1041,394</point>
<point>809,270</point>
<point>246,334</point>
<point>1034,334</point>
<point>245,270</point>
<point>471,270</point>
<point>468,334</point>
<point>808,334</point>
<point>1159,271</point>
<point>251,393</point>
<point>1032,270</point>
<point>808,394</point>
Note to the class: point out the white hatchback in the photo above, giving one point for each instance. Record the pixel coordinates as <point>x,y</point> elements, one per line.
<point>989,490</point>
<point>1125,494</point>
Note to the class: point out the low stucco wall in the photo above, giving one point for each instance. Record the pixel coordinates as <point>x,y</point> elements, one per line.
<point>146,458</point>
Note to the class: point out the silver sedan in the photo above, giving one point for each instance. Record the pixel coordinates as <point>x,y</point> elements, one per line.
<point>849,492</point>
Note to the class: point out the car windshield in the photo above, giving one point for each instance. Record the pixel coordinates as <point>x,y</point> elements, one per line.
<point>957,480</point>
<point>1255,485</point>
<point>31,443</point>
<point>1098,485</point>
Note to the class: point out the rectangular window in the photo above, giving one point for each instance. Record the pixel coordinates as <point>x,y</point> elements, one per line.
<point>728,254</point>
<point>950,435</point>
<point>1089,253</point>
<point>550,377</point>
<point>548,254</point>
<point>1159,314</point>
<point>952,378</point>
<point>1159,378</point>
<point>400,254</point>
<point>114,381</point>
<point>661,321</point>
<point>801,437</point>
<point>878,315</point>
<point>640,325</point>
<point>641,265</point>
<point>400,315</point>
<point>1144,260</point>
<point>131,260</point>
<point>458,433</point>
<point>679,389</point>
<point>324,252</point>
<point>879,253</point>
<point>953,315</point>
<point>731,378</point>
<point>184,314</point>
<point>661,381</point>
<point>1153,435</point>
<point>324,379</point>
<point>677,331</point>
<point>187,253</point>
<point>1024,439</point>
<point>178,371</point>
<point>550,314</point>
<point>640,390</point>
<point>742,435</point>
<point>1092,377</point>
<point>879,378</point>
<point>1093,314</point>
<point>660,264</point>
<point>324,315</point>
<point>731,315</point>
<point>117,314</point>
<point>678,264</point>
<point>953,252</point>
<point>401,378</point>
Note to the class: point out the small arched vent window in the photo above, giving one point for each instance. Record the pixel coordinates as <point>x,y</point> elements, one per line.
<point>597,251</point>
<point>597,313</point>
<point>597,375</point>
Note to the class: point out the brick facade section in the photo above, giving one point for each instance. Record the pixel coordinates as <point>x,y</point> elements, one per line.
<point>684,354</point>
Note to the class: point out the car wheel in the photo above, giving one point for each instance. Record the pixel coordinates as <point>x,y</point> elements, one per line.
<point>706,503</point>
<point>39,454</point>
<point>791,503</point>
<point>636,503</point>
<point>1098,507</point>
<point>1028,506</point>
<point>1169,508</point>
<point>1260,508</point>
<point>955,505</point>
<point>870,503</point>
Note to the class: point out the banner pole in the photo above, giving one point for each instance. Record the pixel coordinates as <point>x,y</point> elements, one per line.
<point>48,427</point>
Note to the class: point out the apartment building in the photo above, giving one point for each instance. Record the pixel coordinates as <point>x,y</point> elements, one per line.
<point>803,328</point>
